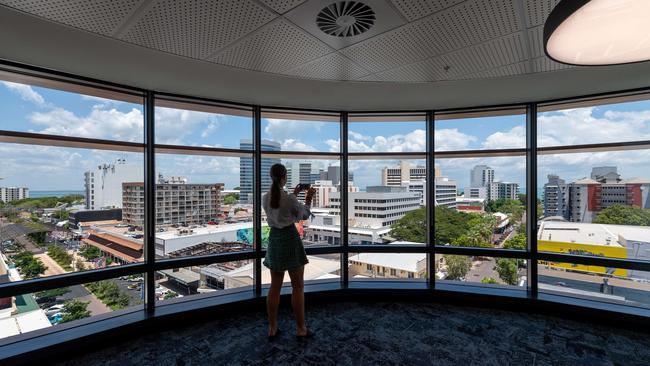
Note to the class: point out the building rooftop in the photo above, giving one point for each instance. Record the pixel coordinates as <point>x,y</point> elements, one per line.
<point>402,261</point>
<point>588,233</point>
<point>210,229</point>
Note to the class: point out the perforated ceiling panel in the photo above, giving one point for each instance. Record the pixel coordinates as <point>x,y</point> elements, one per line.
<point>461,26</point>
<point>409,40</point>
<point>416,9</point>
<point>496,53</point>
<point>282,6</point>
<point>332,66</point>
<point>276,47</point>
<point>98,16</point>
<point>538,10</point>
<point>196,28</point>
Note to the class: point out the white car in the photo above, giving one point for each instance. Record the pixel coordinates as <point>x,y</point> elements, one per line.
<point>54,309</point>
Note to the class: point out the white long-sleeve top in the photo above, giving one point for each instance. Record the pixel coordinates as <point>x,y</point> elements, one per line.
<point>290,210</point>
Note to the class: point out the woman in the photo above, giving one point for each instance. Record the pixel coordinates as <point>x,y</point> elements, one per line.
<point>285,251</point>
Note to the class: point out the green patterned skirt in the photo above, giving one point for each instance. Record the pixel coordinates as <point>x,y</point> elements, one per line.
<point>285,250</point>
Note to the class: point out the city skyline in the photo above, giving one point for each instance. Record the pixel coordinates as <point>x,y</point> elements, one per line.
<point>42,110</point>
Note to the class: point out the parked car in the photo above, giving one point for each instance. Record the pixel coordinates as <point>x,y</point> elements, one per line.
<point>54,309</point>
<point>212,223</point>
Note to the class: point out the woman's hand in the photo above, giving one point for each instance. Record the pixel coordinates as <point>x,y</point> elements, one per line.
<point>310,194</point>
<point>296,190</point>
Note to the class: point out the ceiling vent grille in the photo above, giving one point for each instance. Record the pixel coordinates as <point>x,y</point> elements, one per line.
<point>345,19</point>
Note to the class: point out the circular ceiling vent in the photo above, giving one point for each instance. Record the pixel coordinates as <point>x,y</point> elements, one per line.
<point>345,18</point>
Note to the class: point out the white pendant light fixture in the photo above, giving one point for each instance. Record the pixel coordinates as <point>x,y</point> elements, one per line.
<point>598,32</point>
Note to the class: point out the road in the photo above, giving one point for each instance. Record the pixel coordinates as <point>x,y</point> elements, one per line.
<point>53,268</point>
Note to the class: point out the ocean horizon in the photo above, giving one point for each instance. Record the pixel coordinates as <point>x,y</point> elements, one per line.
<point>40,194</point>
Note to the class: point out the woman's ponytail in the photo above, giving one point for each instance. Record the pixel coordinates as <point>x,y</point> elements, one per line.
<point>278,171</point>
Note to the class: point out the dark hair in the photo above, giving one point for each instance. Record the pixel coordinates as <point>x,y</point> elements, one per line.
<point>278,171</point>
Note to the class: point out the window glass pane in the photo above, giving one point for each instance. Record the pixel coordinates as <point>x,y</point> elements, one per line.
<point>300,132</point>
<point>61,209</point>
<point>404,266</point>
<point>593,122</point>
<point>490,209</point>
<point>387,202</point>
<point>504,272</point>
<point>596,204</point>
<point>189,283</point>
<point>179,123</point>
<point>324,227</point>
<point>77,112</point>
<point>321,268</point>
<point>386,133</point>
<point>613,285</point>
<point>199,205</point>
<point>474,131</point>
<point>50,310</point>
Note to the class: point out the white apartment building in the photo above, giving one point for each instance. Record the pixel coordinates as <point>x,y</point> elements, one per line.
<point>477,192</point>
<point>379,206</point>
<point>8,194</point>
<point>481,176</point>
<point>446,192</point>
<point>506,190</point>
<point>395,175</point>
<point>324,189</point>
<point>104,183</point>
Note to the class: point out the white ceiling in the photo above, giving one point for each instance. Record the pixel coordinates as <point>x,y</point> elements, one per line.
<point>443,54</point>
<point>411,41</point>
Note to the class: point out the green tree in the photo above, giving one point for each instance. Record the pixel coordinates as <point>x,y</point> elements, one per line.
<point>28,266</point>
<point>73,310</point>
<point>231,199</point>
<point>61,214</point>
<point>457,266</point>
<point>90,252</point>
<point>109,293</point>
<point>489,280</point>
<point>411,227</point>
<point>51,294</point>
<point>507,270</point>
<point>517,242</point>
<point>170,295</point>
<point>60,256</point>
<point>449,224</point>
<point>623,215</point>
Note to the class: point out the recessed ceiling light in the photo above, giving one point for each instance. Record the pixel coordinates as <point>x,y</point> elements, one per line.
<point>598,32</point>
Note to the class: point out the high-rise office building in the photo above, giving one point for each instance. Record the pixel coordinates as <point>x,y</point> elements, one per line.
<point>246,169</point>
<point>481,176</point>
<point>104,184</point>
<point>8,194</point>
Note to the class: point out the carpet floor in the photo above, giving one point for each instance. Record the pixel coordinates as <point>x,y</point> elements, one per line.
<point>353,333</point>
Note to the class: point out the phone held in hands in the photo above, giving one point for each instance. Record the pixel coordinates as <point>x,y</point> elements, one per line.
<point>304,186</point>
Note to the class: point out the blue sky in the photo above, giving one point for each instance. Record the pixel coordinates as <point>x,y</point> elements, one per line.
<point>37,109</point>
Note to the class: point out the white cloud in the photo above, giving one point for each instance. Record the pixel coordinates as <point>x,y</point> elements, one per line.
<point>296,145</point>
<point>284,129</point>
<point>515,138</point>
<point>357,136</point>
<point>581,126</point>
<point>99,123</point>
<point>26,92</point>
<point>448,139</point>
